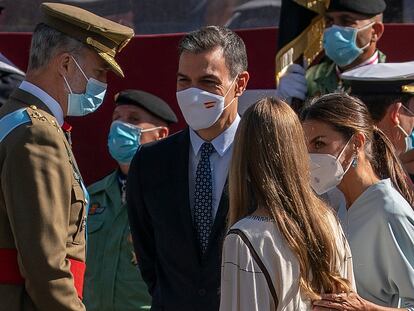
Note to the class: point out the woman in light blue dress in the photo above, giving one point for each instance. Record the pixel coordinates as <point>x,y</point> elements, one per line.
<point>349,152</point>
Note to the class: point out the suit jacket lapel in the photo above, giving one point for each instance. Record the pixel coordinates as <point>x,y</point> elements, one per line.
<point>180,163</point>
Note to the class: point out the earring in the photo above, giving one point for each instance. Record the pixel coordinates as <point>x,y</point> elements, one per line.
<point>355,161</point>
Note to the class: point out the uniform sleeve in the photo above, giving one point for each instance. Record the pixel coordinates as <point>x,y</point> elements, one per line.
<point>398,245</point>
<point>141,225</point>
<point>37,188</point>
<point>243,285</point>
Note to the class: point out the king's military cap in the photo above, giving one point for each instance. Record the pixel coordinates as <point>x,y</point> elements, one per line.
<point>381,78</point>
<point>104,36</point>
<point>102,7</point>
<point>149,102</point>
<point>365,7</point>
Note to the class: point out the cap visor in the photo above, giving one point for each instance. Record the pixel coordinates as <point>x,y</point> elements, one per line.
<point>114,65</point>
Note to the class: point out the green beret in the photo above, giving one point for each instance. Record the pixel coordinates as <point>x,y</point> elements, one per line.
<point>104,36</point>
<point>149,102</point>
<point>365,7</point>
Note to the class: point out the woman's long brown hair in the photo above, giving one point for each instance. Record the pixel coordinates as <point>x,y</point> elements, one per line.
<point>270,170</point>
<point>349,115</point>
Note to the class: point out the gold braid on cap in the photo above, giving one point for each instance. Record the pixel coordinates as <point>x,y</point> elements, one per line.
<point>408,88</point>
<point>101,47</point>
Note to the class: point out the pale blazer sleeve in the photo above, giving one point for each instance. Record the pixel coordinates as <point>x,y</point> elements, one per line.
<point>243,285</point>
<point>398,244</point>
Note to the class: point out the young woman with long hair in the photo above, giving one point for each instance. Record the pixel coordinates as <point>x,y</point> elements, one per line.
<point>284,247</point>
<point>349,152</point>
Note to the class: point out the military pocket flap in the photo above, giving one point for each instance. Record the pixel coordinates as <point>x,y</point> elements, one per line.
<point>94,225</point>
<point>78,193</point>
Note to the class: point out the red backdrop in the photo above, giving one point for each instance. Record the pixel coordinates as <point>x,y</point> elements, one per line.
<point>150,64</point>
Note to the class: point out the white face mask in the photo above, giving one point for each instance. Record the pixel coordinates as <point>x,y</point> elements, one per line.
<point>201,109</point>
<point>327,171</point>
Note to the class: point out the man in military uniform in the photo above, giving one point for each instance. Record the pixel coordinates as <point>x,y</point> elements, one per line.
<point>353,28</point>
<point>112,279</point>
<point>43,202</point>
<point>388,92</point>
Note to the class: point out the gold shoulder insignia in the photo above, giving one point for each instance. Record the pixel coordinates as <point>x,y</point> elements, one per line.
<point>42,116</point>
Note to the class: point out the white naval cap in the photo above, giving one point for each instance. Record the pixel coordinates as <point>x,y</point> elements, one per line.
<point>381,78</point>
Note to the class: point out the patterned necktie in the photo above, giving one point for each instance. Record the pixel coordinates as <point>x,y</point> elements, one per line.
<point>203,197</point>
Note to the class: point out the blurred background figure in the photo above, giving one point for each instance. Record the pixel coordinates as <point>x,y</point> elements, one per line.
<point>119,11</point>
<point>10,75</point>
<point>255,13</point>
<point>112,279</point>
<point>388,91</point>
<point>10,78</point>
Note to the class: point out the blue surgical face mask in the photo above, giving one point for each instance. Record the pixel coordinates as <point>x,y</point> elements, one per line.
<point>340,44</point>
<point>124,140</point>
<point>409,139</point>
<point>88,102</point>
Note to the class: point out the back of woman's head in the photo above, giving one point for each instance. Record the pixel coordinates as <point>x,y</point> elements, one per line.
<point>349,115</point>
<point>270,170</point>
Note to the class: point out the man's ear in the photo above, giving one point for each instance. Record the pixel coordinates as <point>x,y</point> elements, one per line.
<point>241,83</point>
<point>377,31</point>
<point>64,64</point>
<point>393,112</point>
<point>163,132</point>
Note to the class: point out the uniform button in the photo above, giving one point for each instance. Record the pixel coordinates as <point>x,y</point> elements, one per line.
<point>202,292</point>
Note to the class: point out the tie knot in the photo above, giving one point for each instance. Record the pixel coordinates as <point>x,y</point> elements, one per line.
<point>206,149</point>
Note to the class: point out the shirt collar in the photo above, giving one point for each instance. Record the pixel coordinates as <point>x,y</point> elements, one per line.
<point>221,143</point>
<point>372,60</point>
<point>48,100</point>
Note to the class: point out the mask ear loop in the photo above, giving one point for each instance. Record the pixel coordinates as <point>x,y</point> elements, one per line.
<point>67,84</point>
<point>79,67</point>
<point>152,129</point>
<point>343,150</point>
<point>402,130</point>
<point>231,102</point>
<point>363,28</point>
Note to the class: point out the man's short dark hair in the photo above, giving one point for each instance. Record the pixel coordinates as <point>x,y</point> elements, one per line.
<point>378,103</point>
<point>210,37</point>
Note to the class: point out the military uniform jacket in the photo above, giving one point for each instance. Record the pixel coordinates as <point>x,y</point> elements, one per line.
<point>42,211</point>
<point>112,281</point>
<point>323,79</point>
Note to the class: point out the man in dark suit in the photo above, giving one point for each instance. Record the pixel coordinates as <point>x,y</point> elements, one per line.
<point>177,187</point>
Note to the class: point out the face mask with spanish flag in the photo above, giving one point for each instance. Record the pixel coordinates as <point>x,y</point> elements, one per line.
<point>201,109</point>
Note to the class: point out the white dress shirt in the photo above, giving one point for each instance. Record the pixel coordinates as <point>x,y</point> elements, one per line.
<point>48,100</point>
<point>219,162</point>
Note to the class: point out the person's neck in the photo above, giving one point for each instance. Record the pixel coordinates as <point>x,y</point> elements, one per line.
<point>46,83</point>
<point>124,168</point>
<point>356,181</point>
<point>219,127</point>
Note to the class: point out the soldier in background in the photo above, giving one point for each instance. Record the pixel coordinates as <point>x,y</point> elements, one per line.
<point>388,91</point>
<point>113,280</point>
<point>353,28</point>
